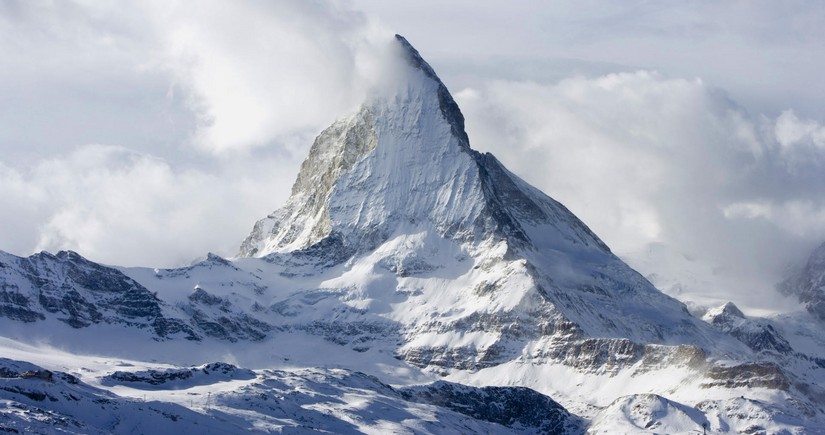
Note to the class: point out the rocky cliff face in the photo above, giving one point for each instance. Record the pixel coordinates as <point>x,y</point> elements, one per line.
<point>758,334</point>
<point>80,293</point>
<point>305,219</point>
<point>507,406</point>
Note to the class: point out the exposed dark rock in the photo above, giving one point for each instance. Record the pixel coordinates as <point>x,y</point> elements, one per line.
<point>460,357</point>
<point>351,332</point>
<point>200,296</point>
<point>758,334</point>
<point>448,106</point>
<point>16,306</point>
<point>67,301</point>
<point>45,375</point>
<point>22,314</point>
<point>80,293</point>
<point>514,407</point>
<point>755,374</point>
<point>203,375</point>
<point>151,377</point>
<point>232,327</point>
<point>38,396</point>
<point>167,328</point>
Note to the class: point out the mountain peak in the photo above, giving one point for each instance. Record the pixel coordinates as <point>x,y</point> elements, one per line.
<point>413,59</point>
<point>397,187</point>
<point>404,158</point>
<point>408,128</point>
<point>446,103</point>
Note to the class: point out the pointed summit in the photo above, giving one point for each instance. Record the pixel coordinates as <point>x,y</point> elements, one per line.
<point>414,58</point>
<point>396,187</point>
<point>396,140</point>
<point>404,157</point>
<point>448,106</point>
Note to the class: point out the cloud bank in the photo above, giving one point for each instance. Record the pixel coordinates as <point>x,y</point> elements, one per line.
<point>127,208</point>
<point>149,133</point>
<point>649,160</point>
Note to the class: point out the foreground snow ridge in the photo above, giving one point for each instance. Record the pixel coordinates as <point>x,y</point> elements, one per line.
<point>409,285</point>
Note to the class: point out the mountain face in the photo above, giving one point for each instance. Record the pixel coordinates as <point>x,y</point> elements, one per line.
<point>407,255</point>
<point>808,284</point>
<point>401,170</point>
<point>757,335</point>
<point>404,158</point>
<point>79,293</point>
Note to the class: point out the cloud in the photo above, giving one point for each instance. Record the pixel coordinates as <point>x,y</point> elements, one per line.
<point>792,131</point>
<point>206,112</point>
<point>273,68</point>
<point>127,208</point>
<point>72,74</point>
<point>160,73</point>
<point>647,159</point>
<point>766,54</point>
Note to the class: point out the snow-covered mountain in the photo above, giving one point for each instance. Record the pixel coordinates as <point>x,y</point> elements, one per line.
<point>406,256</point>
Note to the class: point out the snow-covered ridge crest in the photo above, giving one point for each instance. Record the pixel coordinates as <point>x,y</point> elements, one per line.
<point>413,122</point>
<point>403,157</point>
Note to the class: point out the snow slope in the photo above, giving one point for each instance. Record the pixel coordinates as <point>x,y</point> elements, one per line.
<point>34,400</point>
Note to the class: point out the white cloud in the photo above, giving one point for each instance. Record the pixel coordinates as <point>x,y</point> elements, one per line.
<point>791,131</point>
<point>272,68</point>
<point>613,148</point>
<point>766,54</point>
<point>804,218</point>
<point>208,108</point>
<point>125,208</point>
<point>645,159</point>
<point>225,76</point>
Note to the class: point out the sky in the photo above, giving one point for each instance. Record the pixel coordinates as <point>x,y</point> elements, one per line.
<point>690,136</point>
